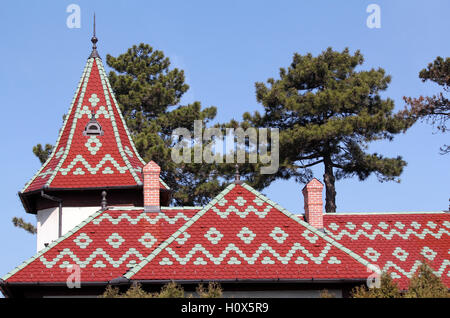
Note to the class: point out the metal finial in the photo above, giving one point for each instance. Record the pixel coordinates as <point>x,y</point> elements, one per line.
<point>94,41</point>
<point>104,203</point>
<point>237,177</point>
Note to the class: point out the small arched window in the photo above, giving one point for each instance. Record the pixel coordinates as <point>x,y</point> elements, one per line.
<point>93,128</point>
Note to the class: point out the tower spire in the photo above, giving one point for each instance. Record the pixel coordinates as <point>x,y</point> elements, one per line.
<point>94,41</point>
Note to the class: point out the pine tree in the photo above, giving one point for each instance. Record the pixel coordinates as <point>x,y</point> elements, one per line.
<point>327,112</point>
<point>149,93</point>
<point>110,292</point>
<point>425,284</point>
<point>388,289</point>
<point>19,222</point>
<point>42,153</point>
<point>213,291</point>
<point>171,290</point>
<point>135,291</point>
<point>434,109</point>
<point>326,294</point>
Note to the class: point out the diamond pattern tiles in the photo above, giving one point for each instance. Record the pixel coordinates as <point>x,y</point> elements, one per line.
<point>243,237</point>
<point>80,161</point>
<point>106,247</point>
<point>397,243</point>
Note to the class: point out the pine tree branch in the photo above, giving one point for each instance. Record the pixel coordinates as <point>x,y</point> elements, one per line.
<point>309,165</point>
<point>19,222</point>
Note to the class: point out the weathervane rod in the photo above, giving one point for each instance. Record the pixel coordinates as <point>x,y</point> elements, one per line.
<point>94,41</point>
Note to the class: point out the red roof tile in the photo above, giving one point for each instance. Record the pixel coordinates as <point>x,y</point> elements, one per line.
<point>396,243</point>
<point>241,236</point>
<point>106,247</point>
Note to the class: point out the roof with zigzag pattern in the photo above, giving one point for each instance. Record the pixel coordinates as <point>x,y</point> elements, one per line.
<point>105,246</point>
<point>82,160</point>
<point>396,242</point>
<point>242,235</point>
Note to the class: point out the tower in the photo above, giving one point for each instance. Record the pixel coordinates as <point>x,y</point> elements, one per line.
<point>94,154</point>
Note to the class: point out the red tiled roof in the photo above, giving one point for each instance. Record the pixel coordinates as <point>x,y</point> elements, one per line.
<point>243,235</point>
<point>80,161</point>
<point>105,246</point>
<point>396,243</point>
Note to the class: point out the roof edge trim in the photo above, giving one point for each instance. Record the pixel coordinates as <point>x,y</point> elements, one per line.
<point>251,281</point>
<point>383,213</point>
<point>181,207</point>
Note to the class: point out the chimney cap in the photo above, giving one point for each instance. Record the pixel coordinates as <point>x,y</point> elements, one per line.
<point>314,183</point>
<point>152,166</point>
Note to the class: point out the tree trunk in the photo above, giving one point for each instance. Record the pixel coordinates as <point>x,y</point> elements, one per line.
<point>330,189</point>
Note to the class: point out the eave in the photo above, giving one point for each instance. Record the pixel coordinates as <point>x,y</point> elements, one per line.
<point>29,208</point>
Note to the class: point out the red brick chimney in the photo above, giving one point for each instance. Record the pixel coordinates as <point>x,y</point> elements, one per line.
<point>151,187</point>
<point>312,193</point>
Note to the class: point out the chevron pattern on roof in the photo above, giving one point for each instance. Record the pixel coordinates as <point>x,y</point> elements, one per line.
<point>78,160</point>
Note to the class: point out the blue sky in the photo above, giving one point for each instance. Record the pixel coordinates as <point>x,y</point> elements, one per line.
<point>224,47</point>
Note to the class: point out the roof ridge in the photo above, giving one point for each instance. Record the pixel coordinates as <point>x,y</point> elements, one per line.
<point>61,132</point>
<point>133,271</point>
<point>385,213</point>
<point>53,244</point>
<point>319,233</point>
<point>131,208</point>
<point>125,208</point>
<point>182,207</point>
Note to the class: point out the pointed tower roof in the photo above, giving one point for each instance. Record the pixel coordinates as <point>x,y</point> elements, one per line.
<point>94,148</point>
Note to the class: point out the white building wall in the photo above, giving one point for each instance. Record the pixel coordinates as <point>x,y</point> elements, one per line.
<point>47,222</point>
